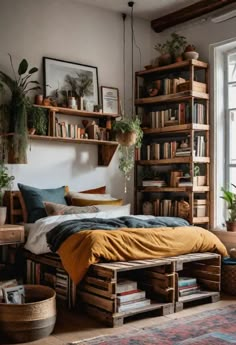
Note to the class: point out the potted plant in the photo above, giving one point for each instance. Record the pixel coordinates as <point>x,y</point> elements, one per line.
<point>177,46</point>
<point>129,135</point>
<point>230,199</point>
<point>164,50</point>
<point>5,182</point>
<point>37,120</point>
<point>16,128</point>
<point>190,52</point>
<point>171,50</point>
<point>198,180</point>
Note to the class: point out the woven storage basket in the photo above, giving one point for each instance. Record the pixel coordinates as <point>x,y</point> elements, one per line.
<point>32,320</point>
<point>228,279</point>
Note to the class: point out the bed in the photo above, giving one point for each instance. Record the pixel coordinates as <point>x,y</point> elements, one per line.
<point>82,240</point>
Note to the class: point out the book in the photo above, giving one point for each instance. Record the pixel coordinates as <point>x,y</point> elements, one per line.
<point>126,285</point>
<point>132,295</point>
<point>191,291</point>
<point>188,287</point>
<point>185,281</point>
<point>133,305</point>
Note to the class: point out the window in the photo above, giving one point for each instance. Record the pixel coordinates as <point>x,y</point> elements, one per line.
<point>230,111</point>
<point>223,125</point>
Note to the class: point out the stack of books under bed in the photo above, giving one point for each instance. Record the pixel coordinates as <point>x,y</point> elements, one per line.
<point>129,296</point>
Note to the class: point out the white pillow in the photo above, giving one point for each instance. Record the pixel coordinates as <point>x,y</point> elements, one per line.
<point>85,196</point>
<point>115,211</point>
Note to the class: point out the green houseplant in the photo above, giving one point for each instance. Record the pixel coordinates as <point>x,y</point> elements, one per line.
<point>129,135</point>
<point>15,109</point>
<point>5,182</point>
<point>37,120</point>
<point>172,49</point>
<point>230,199</point>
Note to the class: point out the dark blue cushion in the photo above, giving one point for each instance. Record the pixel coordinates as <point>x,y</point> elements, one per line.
<point>34,197</point>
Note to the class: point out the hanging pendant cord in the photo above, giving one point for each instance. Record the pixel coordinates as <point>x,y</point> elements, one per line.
<point>124,67</point>
<point>131,3</point>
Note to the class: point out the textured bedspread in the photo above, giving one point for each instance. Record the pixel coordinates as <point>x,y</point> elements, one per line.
<point>81,249</point>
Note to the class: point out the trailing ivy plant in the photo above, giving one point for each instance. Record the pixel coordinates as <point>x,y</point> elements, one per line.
<point>127,151</point>
<point>19,86</point>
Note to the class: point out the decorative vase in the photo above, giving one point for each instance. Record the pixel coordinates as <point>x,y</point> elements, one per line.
<point>191,55</point>
<point>127,138</point>
<point>3,215</point>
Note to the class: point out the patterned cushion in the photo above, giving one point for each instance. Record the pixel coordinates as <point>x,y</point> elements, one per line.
<point>53,209</point>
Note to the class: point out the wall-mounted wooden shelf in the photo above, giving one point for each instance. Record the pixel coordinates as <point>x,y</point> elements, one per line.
<point>106,148</point>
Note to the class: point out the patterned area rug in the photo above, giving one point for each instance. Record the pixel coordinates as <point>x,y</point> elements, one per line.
<point>215,327</point>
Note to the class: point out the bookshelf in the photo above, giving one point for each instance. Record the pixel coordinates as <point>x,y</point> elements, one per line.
<point>61,128</point>
<point>173,164</point>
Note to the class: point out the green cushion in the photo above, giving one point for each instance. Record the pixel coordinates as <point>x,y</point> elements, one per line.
<point>34,198</point>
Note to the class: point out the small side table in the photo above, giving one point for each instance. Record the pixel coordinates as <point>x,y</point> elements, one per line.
<point>11,234</point>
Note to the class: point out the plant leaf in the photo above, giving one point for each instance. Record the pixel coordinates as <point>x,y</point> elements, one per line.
<point>33,70</point>
<point>33,88</point>
<point>7,80</point>
<point>23,66</point>
<point>30,82</point>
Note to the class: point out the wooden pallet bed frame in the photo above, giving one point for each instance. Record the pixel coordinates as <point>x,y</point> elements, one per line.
<point>98,293</point>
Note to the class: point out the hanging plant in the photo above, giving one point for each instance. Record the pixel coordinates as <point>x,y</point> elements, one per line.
<point>129,135</point>
<point>16,126</point>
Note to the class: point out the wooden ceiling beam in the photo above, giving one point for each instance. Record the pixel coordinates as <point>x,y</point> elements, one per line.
<point>187,13</point>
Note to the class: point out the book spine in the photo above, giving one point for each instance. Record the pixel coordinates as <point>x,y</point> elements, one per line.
<point>187,282</point>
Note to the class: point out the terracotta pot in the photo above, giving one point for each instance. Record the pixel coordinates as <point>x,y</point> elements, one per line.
<point>231,226</point>
<point>165,59</point>
<point>127,138</point>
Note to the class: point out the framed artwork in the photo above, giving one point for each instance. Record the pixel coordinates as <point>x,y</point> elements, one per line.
<point>110,100</point>
<point>64,78</point>
<point>14,295</point>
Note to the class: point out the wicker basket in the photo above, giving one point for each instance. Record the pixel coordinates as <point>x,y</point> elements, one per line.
<point>228,279</point>
<point>32,320</point>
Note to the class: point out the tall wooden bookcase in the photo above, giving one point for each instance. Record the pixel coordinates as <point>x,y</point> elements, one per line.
<point>172,167</point>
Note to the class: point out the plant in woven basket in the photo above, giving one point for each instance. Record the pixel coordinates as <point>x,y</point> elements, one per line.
<point>129,135</point>
<point>230,199</point>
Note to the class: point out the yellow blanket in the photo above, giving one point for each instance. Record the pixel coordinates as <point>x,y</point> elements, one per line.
<point>88,247</point>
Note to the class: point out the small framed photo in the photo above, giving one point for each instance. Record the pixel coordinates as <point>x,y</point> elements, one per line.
<point>14,295</point>
<point>110,100</point>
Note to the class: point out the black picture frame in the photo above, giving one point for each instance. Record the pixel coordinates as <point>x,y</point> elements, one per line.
<point>62,77</point>
<point>14,294</point>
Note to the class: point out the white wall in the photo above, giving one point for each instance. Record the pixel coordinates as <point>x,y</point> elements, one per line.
<point>200,32</point>
<point>75,32</point>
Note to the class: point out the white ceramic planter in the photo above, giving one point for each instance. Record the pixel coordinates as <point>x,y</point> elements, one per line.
<point>3,215</point>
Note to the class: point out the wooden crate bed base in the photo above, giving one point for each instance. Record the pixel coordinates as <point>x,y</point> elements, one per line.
<point>206,268</point>
<point>98,293</point>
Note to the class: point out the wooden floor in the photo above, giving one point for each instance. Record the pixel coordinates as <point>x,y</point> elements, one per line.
<point>74,326</point>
